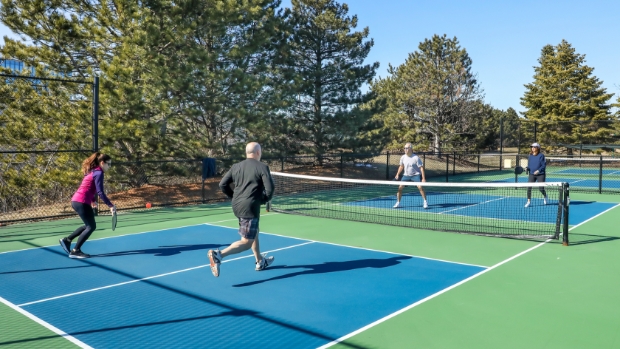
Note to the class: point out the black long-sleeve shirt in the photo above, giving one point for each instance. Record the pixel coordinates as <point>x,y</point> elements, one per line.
<point>253,187</point>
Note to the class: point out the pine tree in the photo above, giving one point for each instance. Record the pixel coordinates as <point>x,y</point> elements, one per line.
<point>178,78</point>
<point>433,98</point>
<point>566,101</point>
<point>325,63</point>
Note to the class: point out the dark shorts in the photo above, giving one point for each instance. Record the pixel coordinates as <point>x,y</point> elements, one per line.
<point>248,228</point>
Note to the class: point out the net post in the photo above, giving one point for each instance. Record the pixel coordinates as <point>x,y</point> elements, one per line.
<point>600,175</point>
<point>387,165</point>
<point>566,199</point>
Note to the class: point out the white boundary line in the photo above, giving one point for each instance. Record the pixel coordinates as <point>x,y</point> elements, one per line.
<point>426,211</point>
<point>363,248</point>
<point>480,203</point>
<point>591,218</point>
<point>46,324</point>
<point>448,288</point>
<point>427,298</point>
<point>130,234</point>
<point>152,277</point>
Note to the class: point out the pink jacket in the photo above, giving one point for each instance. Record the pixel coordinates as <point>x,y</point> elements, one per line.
<point>92,184</point>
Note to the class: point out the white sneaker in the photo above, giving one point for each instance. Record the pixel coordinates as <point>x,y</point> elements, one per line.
<point>545,200</point>
<point>215,259</point>
<point>264,263</point>
<point>397,204</point>
<point>527,204</point>
<point>425,205</point>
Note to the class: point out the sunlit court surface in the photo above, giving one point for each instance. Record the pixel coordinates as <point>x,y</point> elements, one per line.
<point>334,284</point>
<point>309,174</point>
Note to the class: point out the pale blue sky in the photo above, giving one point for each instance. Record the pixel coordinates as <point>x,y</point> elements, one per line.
<point>503,38</point>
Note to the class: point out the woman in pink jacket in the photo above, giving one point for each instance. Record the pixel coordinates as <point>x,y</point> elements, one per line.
<point>83,199</point>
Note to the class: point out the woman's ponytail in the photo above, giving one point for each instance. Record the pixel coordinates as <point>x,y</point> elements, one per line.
<point>90,163</point>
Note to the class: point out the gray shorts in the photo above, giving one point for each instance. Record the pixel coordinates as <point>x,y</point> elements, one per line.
<point>415,178</point>
<point>248,228</point>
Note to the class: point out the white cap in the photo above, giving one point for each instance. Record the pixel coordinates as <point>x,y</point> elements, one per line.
<point>536,145</point>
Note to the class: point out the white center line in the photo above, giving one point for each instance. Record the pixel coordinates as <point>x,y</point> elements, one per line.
<point>480,203</point>
<point>153,277</point>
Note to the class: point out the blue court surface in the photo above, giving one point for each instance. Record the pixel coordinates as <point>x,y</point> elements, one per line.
<point>488,206</point>
<point>575,182</point>
<point>587,171</point>
<point>313,294</point>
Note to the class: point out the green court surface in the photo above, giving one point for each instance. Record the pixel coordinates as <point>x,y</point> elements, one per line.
<point>534,295</point>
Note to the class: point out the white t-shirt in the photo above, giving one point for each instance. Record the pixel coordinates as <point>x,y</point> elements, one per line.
<point>412,164</point>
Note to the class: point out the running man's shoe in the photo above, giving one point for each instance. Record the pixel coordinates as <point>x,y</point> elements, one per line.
<point>78,254</point>
<point>527,204</point>
<point>546,200</point>
<point>397,204</point>
<point>65,244</point>
<point>215,259</point>
<point>264,263</point>
<point>425,205</point>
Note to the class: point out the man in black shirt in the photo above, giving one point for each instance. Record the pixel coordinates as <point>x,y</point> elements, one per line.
<point>253,188</point>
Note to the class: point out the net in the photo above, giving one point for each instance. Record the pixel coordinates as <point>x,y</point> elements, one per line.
<point>590,174</point>
<point>494,209</point>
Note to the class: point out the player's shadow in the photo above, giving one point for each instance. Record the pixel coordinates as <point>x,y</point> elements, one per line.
<point>329,267</point>
<point>162,251</point>
<point>584,239</point>
<point>45,269</point>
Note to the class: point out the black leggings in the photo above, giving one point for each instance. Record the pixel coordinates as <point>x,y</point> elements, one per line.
<point>87,214</point>
<point>536,178</point>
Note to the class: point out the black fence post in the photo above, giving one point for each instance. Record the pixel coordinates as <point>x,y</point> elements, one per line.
<point>447,166</point>
<point>281,163</point>
<point>478,163</point>
<point>96,115</point>
<point>341,165</point>
<point>600,175</point>
<point>501,135</point>
<point>580,139</point>
<point>96,126</point>
<point>517,165</point>
<point>204,199</point>
<point>454,163</point>
<point>535,129</point>
<point>387,165</point>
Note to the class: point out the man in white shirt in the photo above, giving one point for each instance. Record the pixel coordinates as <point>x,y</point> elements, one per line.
<point>412,167</point>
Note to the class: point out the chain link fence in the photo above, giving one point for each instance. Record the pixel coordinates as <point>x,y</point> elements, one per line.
<point>39,185</point>
<point>571,138</point>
